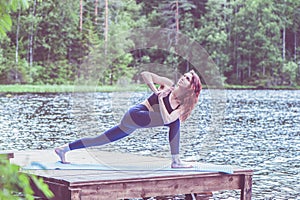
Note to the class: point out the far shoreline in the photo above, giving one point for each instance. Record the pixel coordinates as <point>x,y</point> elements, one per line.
<point>19,88</point>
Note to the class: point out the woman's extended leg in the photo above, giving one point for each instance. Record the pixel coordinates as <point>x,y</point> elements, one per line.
<point>108,136</point>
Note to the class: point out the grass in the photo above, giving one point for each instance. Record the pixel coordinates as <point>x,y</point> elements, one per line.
<point>68,88</point>
<point>107,88</point>
<point>253,87</point>
<point>226,86</point>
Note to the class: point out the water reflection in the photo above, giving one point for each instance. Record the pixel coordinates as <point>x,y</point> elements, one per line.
<point>260,131</point>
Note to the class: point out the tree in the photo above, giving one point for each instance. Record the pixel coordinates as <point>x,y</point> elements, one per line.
<point>255,41</point>
<point>213,33</point>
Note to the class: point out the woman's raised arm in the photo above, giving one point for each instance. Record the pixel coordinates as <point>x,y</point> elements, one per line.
<point>151,79</point>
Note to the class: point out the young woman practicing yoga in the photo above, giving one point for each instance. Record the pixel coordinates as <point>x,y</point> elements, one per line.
<point>167,106</point>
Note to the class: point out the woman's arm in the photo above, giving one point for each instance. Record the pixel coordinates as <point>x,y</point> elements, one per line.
<point>167,118</point>
<point>151,79</point>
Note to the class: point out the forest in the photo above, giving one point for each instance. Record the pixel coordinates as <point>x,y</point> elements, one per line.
<point>252,42</point>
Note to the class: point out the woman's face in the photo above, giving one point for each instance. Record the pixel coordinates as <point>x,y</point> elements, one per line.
<point>185,81</point>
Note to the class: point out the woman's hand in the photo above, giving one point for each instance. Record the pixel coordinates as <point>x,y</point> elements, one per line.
<point>167,117</point>
<point>165,92</point>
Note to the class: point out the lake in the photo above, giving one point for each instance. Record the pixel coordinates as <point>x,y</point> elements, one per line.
<point>255,129</point>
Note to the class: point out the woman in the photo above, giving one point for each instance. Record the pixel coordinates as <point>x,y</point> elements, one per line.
<point>167,106</point>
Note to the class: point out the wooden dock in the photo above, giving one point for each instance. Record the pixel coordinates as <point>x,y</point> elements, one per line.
<point>128,176</point>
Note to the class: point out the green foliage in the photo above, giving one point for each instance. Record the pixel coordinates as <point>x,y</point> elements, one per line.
<point>290,69</point>
<point>5,24</point>
<point>55,73</point>
<point>245,39</point>
<point>15,185</point>
<point>11,72</point>
<point>213,33</point>
<point>5,9</point>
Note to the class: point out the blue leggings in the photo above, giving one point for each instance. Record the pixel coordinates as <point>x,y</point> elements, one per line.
<point>136,117</point>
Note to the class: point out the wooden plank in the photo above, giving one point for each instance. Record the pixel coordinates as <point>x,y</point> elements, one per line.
<point>61,191</point>
<point>116,160</point>
<point>162,186</point>
<point>109,178</point>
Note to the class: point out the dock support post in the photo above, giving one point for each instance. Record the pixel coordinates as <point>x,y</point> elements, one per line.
<point>8,155</point>
<point>75,194</point>
<point>199,196</point>
<point>246,191</point>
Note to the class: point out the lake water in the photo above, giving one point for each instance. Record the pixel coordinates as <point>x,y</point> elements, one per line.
<point>255,129</point>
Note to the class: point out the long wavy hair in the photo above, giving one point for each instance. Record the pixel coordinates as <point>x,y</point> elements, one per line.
<point>189,100</point>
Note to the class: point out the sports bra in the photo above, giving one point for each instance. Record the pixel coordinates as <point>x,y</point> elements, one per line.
<point>153,100</point>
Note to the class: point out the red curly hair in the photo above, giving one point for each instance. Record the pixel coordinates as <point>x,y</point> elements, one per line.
<point>190,99</point>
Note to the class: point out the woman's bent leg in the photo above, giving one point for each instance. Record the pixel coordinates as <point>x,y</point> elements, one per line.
<point>133,119</point>
<point>174,140</point>
<point>174,136</point>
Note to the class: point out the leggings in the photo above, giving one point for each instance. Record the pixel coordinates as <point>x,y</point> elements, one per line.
<point>136,117</point>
